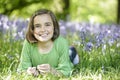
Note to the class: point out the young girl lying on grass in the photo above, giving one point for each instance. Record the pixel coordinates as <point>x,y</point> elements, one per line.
<point>44,50</point>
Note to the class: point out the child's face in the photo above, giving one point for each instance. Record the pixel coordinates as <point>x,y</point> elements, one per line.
<point>43,28</point>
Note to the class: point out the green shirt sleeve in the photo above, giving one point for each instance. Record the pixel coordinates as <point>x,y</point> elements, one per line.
<point>65,66</point>
<point>25,61</point>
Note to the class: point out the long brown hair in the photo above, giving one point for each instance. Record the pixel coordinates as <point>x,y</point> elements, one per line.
<point>30,36</point>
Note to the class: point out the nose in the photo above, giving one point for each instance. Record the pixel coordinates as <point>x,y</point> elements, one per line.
<point>42,28</point>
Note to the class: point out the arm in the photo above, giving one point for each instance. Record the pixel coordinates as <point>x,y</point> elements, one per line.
<point>65,66</point>
<point>25,61</point>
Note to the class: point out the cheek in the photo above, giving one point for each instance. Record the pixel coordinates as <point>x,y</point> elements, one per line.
<point>51,30</point>
<point>35,30</point>
<point>34,34</point>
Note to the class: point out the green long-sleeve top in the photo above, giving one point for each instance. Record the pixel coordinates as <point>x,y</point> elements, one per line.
<point>58,57</point>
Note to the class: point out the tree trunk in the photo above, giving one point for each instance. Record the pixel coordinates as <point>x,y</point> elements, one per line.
<point>66,8</point>
<point>118,12</point>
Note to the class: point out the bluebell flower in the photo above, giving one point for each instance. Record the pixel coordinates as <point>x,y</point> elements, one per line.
<point>99,39</point>
<point>83,35</point>
<point>89,46</point>
<point>63,30</point>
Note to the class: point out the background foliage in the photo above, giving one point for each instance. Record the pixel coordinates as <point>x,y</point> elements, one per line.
<point>103,11</point>
<point>94,10</point>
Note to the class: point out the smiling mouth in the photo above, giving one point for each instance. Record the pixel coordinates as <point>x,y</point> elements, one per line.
<point>43,35</point>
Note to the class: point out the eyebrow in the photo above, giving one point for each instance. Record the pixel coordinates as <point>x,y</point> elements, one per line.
<point>49,22</point>
<point>45,23</point>
<point>36,24</point>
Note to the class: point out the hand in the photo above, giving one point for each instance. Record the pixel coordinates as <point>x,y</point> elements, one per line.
<point>44,68</point>
<point>32,71</point>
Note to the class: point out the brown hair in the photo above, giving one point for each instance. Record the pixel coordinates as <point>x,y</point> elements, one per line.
<point>30,36</point>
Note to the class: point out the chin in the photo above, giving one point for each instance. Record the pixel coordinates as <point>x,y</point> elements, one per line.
<point>44,40</point>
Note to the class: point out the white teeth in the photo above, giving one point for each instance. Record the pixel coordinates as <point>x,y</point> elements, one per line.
<point>43,34</point>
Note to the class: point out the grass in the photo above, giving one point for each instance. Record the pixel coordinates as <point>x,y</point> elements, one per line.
<point>94,64</point>
<point>87,74</point>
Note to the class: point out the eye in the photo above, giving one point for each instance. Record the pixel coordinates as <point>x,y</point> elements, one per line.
<point>37,26</point>
<point>48,24</point>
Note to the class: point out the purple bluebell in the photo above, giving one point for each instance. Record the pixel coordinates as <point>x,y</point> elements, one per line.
<point>21,24</point>
<point>83,35</point>
<point>99,39</point>
<point>89,46</point>
<point>70,27</point>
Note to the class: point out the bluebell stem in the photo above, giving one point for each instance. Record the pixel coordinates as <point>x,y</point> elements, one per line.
<point>103,48</point>
<point>111,41</point>
<point>103,68</point>
<point>99,39</point>
<point>76,43</point>
<point>118,45</point>
<point>83,36</point>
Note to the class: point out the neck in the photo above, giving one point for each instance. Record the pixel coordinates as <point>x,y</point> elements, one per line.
<point>45,45</point>
<point>44,48</point>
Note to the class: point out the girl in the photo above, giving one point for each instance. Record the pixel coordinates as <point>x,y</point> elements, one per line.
<point>44,50</point>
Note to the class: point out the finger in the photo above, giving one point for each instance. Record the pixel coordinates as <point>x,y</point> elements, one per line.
<point>36,73</point>
<point>44,70</point>
<point>44,65</point>
<point>41,67</point>
<point>33,69</point>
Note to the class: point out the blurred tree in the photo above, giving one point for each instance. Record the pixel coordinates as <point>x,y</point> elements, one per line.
<point>100,11</point>
<point>66,8</point>
<point>24,8</point>
<point>75,10</point>
<point>7,6</point>
<point>118,13</point>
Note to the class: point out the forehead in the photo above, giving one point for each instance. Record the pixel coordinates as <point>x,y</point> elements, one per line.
<point>42,18</point>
